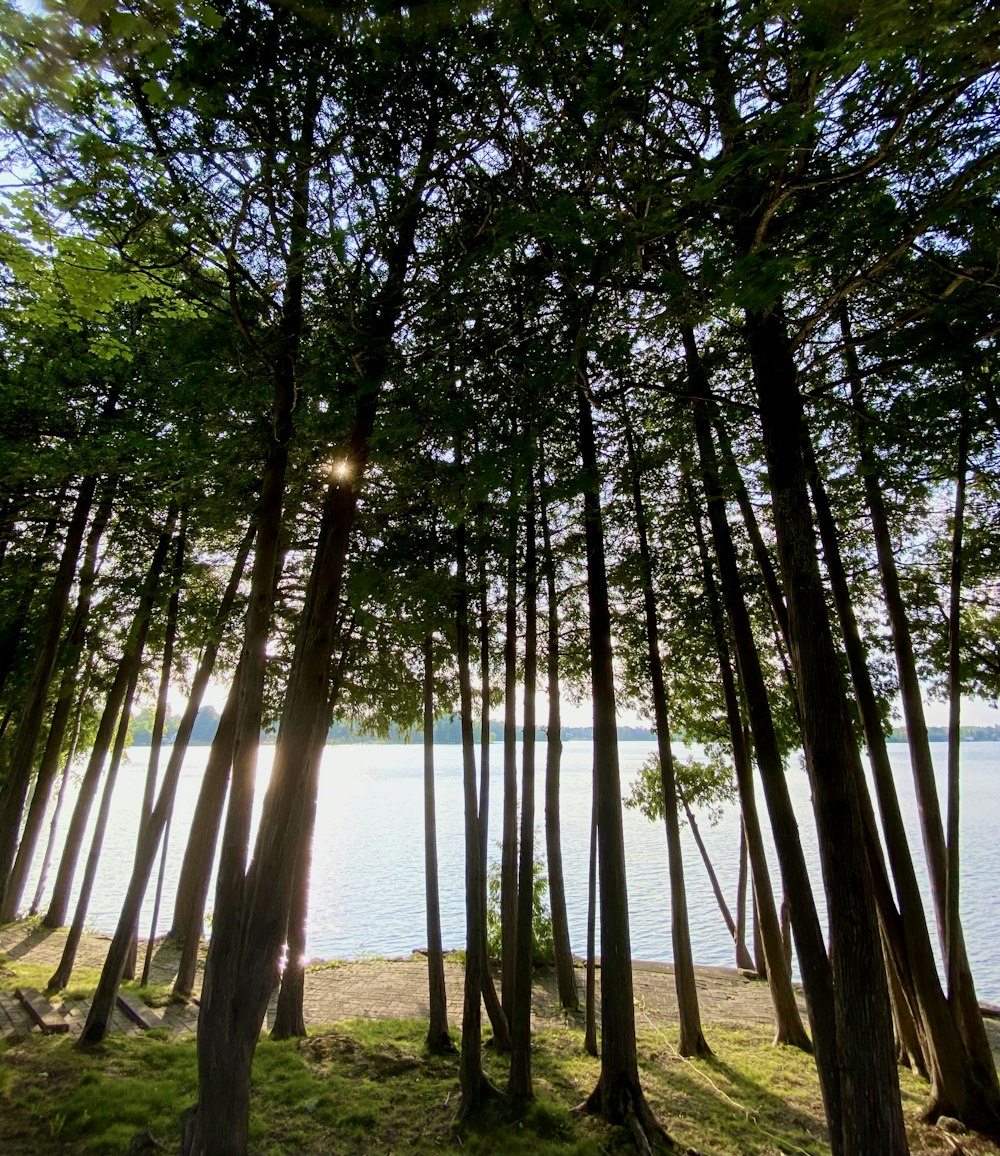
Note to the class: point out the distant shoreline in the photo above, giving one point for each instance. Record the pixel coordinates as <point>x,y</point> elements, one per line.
<point>447,732</point>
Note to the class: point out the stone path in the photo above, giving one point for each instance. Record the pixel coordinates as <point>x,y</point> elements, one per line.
<point>395,989</point>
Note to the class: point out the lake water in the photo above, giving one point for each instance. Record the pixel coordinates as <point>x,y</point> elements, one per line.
<point>367,878</point>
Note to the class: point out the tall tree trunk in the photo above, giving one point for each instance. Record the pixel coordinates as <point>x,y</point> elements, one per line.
<point>590,1018</point>
<point>473,1082</point>
<point>159,717</point>
<point>73,652</point>
<point>22,755</point>
<point>871,1111</point>
<point>957,1087</point>
<point>565,972</point>
<point>692,1039</point>
<point>50,842</point>
<point>788,1023</point>
<point>61,976</point>
<point>952,925</point>
<point>519,1086</point>
<point>127,673</point>
<point>618,1096</point>
<point>289,1016</point>
<point>252,908</point>
<point>102,1007</point>
<point>438,1035</point>
<point>494,1008</point>
<point>508,848</point>
<point>199,855</point>
<point>813,959</point>
<point>966,1003</point>
<point>251,921</point>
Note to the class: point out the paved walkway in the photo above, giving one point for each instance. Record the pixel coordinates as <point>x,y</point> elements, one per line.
<point>396,989</point>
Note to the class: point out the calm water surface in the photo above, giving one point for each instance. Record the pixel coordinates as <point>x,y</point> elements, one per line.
<point>367,878</point>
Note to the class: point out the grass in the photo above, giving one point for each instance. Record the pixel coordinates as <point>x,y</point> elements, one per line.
<point>370,1086</point>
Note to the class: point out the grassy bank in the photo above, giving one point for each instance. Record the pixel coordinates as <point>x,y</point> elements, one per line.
<point>367,1086</point>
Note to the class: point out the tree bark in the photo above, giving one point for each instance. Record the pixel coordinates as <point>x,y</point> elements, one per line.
<point>788,1023</point>
<point>473,1082</point>
<point>159,717</point>
<point>508,848</point>
<point>61,976</point>
<point>956,1088</point>
<point>128,672</point>
<point>22,756</point>
<point>692,1039</point>
<point>494,1008</point>
<point>966,1007</point>
<point>50,842</point>
<point>618,1096</point>
<point>102,1007</point>
<point>438,1035</point>
<point>871,1111</point>
<point>590,1019</point>
<point>565,972</point>
<point>519,1085</point>
<point>952,920</point>
<point>73,652</point>
<point>196,869</point>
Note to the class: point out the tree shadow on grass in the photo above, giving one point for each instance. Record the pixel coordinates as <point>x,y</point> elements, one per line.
<point>729,1109</point>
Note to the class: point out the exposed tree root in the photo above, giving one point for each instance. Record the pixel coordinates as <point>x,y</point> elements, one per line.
<point>486,1090</point>
<point>441,1045</point>
<point>625,1104</point>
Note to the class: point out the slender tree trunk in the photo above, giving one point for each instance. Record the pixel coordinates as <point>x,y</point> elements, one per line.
<point>196,869</point>
<point>159,718</point>
<point>565,972</point>
<point>473,1082</point>
<point>252,908</point>
<point>618,1096</point>
<point>508,850</point>
<point>692,1039</point>
<point>289,1015</point>
<point>590,1031</point>
<point>102,1007</point>
<point>438,1035</point>
<point>73,652</point>
<point>952,924</point>
<point>788,1023</point>
<point>967,1004</point>
<point>494,1008</point>
<point>519,1086</point>
<point>22,755</point>
<point>740,934</point>
<point>957,1087</point>
<point>743,959</point>
<point>128,672</point>
<point>871,1111</point>
<point>157,901</point>
<point>761,554</point>
<point>61,976</point>
<point>50,842</point>
<point>808,934</point>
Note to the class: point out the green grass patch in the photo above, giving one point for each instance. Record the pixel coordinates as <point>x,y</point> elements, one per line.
<point>371,1086</point>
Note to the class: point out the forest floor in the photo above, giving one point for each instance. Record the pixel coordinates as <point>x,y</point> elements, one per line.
<point>362,1082</point>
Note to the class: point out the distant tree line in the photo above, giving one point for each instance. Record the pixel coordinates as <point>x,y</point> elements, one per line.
<point>385,362</point>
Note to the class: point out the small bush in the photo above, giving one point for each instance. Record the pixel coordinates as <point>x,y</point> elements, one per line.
<point>543,946</point>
